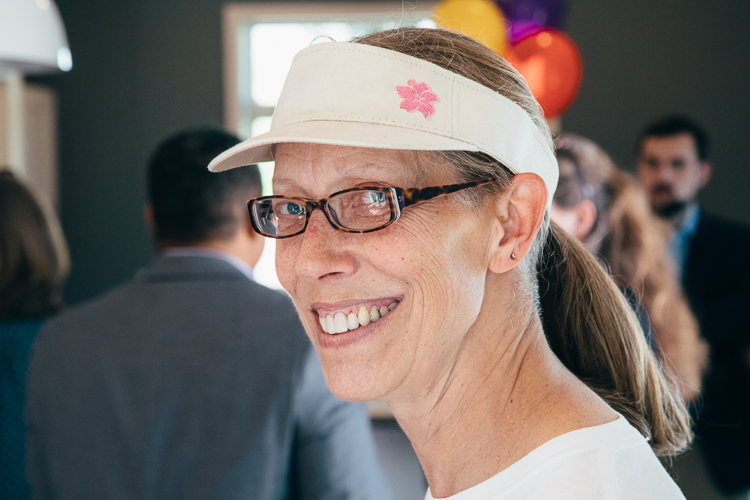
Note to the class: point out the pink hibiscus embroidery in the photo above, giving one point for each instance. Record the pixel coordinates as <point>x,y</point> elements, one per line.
<point>418,97</point>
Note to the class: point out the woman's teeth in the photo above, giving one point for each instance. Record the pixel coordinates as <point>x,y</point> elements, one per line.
<point>341,323</point>
<point>363,317</point>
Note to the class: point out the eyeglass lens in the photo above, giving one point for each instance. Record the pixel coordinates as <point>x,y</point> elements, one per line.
<point>279,217</point>
<point>359,210</point>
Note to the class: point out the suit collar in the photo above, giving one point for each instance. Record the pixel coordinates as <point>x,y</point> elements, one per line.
<point>213,253</point>
<point>189,269</point>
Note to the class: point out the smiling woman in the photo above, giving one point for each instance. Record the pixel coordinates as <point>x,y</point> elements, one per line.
<point>506,353</point>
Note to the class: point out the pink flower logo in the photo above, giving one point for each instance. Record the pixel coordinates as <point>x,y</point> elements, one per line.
<point>418,97</point>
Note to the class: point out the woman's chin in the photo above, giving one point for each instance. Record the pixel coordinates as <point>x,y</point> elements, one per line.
<point>355,383</point>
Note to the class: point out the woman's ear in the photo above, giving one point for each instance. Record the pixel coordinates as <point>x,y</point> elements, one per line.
<point>586,220</point>
<point>578,221</point>
<point>519,214</point>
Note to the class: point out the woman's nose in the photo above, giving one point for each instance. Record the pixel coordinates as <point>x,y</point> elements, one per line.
<point>324,251</point>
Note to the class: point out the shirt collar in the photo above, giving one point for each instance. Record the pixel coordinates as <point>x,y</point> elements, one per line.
<point>211,253</point>
<point>689,222</point>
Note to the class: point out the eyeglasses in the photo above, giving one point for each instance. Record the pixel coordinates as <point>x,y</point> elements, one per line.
<point>356,210</point>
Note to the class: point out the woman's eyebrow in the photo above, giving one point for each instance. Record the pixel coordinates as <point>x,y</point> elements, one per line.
<point>344,172</point>
<point>344,182</point>
<point>351,175</point>
<point>283,181</point>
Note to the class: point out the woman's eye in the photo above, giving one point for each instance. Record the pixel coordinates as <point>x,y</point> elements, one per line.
<point>290,208</point>
<point>378,197</point>
<point>371,197</point>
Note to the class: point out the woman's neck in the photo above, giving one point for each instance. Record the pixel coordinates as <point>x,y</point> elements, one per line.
<point>505,395</point>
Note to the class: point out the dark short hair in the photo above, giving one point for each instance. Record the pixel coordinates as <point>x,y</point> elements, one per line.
<point>190,204</point>
<point>33,254</point>
<point>670,125</point>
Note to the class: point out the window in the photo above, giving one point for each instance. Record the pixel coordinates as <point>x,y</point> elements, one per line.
<point>260,40</point>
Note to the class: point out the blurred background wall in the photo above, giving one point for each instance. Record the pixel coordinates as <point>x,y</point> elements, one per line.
<point>146,68</point>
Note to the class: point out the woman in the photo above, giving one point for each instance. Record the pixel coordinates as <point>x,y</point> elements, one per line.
<point>417,280</point>
<point>606,210</point>
<point>33,267</point>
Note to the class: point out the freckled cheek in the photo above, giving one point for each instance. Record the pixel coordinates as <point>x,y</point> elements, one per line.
<point>427,260</point>
<point>397,252</point>
<point>286,254</point>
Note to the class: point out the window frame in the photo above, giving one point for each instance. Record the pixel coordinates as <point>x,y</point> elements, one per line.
<point>238,19</point>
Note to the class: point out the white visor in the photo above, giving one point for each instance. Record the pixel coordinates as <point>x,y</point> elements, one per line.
<point>351,94</point>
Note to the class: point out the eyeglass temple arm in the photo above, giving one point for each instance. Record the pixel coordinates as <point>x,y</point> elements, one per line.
<point>412,196</point>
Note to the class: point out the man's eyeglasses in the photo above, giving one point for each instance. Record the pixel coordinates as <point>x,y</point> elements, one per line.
<point>356,210</point>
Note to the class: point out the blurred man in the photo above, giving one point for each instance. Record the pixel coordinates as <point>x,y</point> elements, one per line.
<point>712,256</point>
<point>192,381</point>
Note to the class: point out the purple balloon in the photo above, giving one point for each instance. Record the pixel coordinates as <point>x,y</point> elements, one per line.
<point>528,16</point>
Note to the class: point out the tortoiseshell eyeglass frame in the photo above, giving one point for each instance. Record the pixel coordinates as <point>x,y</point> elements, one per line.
<point>398,200</point>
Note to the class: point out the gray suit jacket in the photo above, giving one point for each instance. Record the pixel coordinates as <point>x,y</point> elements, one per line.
<point>191,382</point>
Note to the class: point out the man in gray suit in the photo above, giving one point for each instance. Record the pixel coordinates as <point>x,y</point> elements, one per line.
<point>192,381</point>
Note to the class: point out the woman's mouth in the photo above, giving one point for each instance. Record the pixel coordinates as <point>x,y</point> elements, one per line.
<point>342,320</point>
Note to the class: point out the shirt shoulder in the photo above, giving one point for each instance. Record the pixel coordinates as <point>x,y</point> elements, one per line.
<point>223,299</point>
<point>230,320</point>
<point>611,461</point>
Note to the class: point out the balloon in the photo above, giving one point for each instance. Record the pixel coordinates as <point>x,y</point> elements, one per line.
<point>527,17</point>
<point>479,19</point>
<point>552,66</point>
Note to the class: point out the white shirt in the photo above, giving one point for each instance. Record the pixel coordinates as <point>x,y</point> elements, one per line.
<point>212,253</point>
<point>606,462</point>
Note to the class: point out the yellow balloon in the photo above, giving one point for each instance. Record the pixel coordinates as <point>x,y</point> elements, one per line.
<point>479,19</point>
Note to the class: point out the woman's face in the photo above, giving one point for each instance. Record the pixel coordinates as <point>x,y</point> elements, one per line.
<point>427,272</point>
<point>566,218</point>
<point>578,220</point>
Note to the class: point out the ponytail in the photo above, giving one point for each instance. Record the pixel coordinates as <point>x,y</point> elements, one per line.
<point>595,333</point>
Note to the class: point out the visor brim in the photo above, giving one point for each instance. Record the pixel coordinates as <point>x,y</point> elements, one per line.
<point>335,133</point>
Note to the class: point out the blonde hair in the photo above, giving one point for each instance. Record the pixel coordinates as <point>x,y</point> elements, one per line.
<point>588,323</point>
<point>33,254</point>
<point>631,242</point>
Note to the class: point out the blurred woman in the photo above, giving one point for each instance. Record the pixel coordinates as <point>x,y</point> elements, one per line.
<point>33,267</point>
<point>606,209</point>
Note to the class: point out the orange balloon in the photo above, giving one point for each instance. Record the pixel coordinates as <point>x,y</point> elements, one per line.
<point>552,66</point>
<point>479,19</point>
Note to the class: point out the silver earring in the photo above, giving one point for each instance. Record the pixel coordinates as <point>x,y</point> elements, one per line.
<point>513,256</point>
